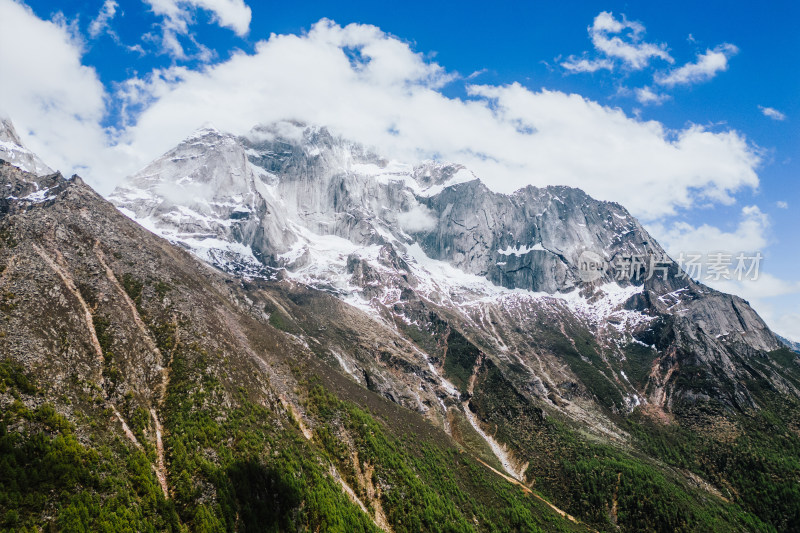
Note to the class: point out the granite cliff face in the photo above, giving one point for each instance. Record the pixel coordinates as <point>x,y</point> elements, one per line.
<point>295,201</point>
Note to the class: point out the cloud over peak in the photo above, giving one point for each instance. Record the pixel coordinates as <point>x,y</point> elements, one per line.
<point>56,102</point>
<point>372,87</point>
<point>750,234</point>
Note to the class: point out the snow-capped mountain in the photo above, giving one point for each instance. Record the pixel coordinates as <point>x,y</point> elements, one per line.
<point>13,151</point>
<point>271,201</point>
<point>297,200</point>
<point>294,201</point>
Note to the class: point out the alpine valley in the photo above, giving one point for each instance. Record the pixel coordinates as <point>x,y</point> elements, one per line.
<point>285,331</point>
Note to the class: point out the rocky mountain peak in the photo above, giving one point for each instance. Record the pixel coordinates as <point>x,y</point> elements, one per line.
<point>7,132</point>
<point>295,199</point>
<point>13,151</point>
<point>22,190</point>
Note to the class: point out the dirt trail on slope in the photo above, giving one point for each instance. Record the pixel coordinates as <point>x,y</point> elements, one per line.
<point>528,491</point>
<point>160,468</point>
<point>68,282</point>
<point>137,319</point>
<point>125,429</point>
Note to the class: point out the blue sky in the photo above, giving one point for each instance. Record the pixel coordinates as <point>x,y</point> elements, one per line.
<point>130,78</point>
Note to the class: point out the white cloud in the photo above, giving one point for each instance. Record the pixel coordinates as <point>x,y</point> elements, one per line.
<point>233,14</point>
<point>56,102</point>
<point>622,40</point>
<point>765,287</point>
<point>418,218</point>
<point>783,323</point>
<point>619,42</point>
<point>179,15</point>
<point>750,235</point>
<point>707,65</point>
<point>782,205</point>
<point>772,113</point>
<point>646,96</point>
<point>372,87</point>
<point>574,64</point>
<point>477,73</point>
<point>101,23</point>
